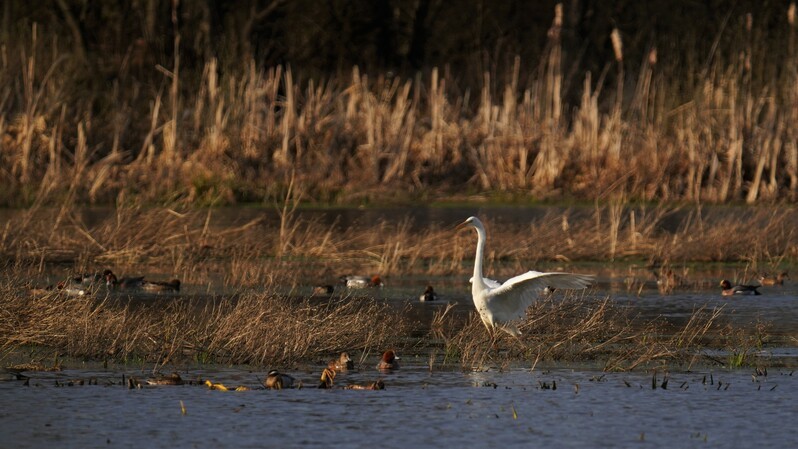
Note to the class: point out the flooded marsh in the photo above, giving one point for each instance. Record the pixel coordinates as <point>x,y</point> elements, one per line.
<point>624,362</point>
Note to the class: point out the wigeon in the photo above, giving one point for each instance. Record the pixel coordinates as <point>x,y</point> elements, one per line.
<point>388,361</point>
<point>170,379</point>
<point>729,290</point>
<point>342,363</point>
<point>428,295</point>
<point>773,280</point>
<point>126,283</point>
<point>161,286</point>
<point>327,377</point>
<point>71,289</point>
<point>352,281</point>
<point>378,385</point>
<point>221,387</point>
<point>323,290</point>
<point>277,381</point>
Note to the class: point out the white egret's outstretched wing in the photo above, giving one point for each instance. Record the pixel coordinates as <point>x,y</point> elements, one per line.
<point>489,282</point>
<point>510,300</point>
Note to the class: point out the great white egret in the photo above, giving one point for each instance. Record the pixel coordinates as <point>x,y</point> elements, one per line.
<point>729,290</point>
<point>498,304</point>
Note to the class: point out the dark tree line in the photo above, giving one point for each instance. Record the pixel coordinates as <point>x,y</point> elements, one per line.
<point>328,37</point>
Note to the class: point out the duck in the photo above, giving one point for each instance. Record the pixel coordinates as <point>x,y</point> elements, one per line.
<point>388,361</point>
<point>222,387</point>
<point>126,283</point>
<point>353,281</point>
<point>729,290</point>
<point>323,289</point>
<point>342,363</point>
<point>161,286</point>
<point>764,279</point>
<point>170,379</point>
<point>71,289</point>
<point>428,295</point>
<point>275,380</point>
<point>327,377</point>
<point>88,279</point>
<point>378,385</point>
<point>41,291</point>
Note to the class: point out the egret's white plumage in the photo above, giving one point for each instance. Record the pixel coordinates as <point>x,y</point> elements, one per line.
<point>497,303</point>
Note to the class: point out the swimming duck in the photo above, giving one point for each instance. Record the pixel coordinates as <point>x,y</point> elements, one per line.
<point>352,281</point>
<point>161,286</point>
<point>773,280</point>
<point>729,290</point>
<point>327,377</point>
<point>221,387</point>
<point>342,363</point>
<point>171,379</point>
<point>126,283</point>
<point>323,290</point>
<point>277,381</point>
<point>388,361</point>
<point>378,385</point>
<point>428,295</point>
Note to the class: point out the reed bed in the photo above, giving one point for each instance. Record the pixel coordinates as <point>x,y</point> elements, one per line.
<point>722,133</point>
<point>198,246</point>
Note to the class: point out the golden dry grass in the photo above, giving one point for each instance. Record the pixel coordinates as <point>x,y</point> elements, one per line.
<point>252,328</point>
<point>252,133</point>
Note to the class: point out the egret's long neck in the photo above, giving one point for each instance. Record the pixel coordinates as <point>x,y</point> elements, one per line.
<point>479,256</point>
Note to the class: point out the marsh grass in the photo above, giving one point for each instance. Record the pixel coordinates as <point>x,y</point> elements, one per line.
<point>587,330</point>
<point>259,261</point>
<point>253,328</point>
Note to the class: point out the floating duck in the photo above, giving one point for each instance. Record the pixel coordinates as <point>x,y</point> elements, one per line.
<point>352,281</point>
<point>773,280</point>
<point>277,381</point>
<point>327,377</point>
<point>388,361</point>
<point>428,295</point>
<point>161,286</point>
<point>126,283</point>
<point>71,289</point>
<point>221,387</point>
<point>378,385</point>
<point>342,363</point>
<point>170,379</point>
<point>729,290</point>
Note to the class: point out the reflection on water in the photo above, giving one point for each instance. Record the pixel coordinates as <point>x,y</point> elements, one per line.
<point>516,408</point>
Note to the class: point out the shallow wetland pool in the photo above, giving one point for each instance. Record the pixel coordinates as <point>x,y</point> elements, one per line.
<point>554,405</point>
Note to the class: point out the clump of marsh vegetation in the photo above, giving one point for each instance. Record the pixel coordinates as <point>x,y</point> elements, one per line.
<point>255,328</point>
<point>587,330</point>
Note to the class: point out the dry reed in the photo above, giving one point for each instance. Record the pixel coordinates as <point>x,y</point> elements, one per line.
<point>253,328</point>
<point>245,133</point>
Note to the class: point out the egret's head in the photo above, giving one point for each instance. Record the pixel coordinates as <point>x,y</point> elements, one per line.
<point>471,222</point>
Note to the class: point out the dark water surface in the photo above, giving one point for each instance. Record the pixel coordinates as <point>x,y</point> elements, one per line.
<point>515,408</point>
